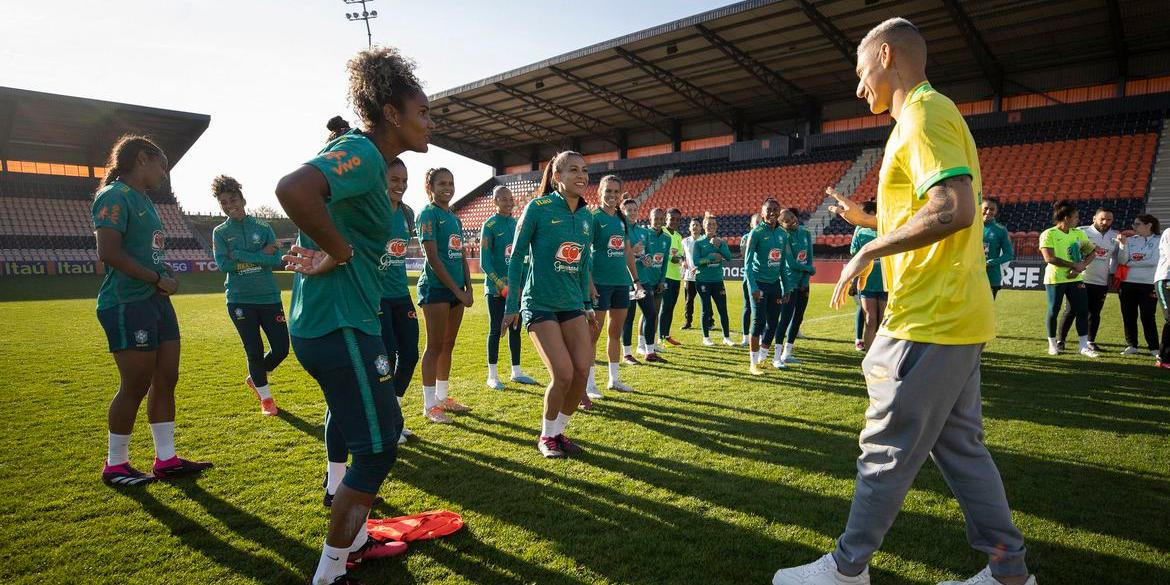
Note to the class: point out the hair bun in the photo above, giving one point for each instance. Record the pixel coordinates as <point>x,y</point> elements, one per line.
<point>337,124</point>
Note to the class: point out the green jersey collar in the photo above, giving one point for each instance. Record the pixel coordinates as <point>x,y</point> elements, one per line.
<point>916,93</point>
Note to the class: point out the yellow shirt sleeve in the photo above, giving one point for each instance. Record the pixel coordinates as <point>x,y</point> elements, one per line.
<point>934,147</point>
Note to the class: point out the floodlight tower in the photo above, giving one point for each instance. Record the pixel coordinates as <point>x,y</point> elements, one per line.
<point>364,15</point>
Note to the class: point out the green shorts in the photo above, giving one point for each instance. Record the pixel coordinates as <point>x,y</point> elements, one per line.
<point>429,295</point>
<point>612,297</point>
<point>140,325</point>
<point>532,317</point>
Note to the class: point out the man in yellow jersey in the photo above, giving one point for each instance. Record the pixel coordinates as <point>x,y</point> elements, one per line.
<point>922,372</point>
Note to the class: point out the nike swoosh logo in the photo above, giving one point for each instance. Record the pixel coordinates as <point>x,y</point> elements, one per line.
<point>555,221</point>
<point>333,558</point>
<point>141,213</point>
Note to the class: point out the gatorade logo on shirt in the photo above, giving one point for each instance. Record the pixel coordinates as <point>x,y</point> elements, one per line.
<point>1101,252</point>
<point>567,257</point>
<point>802,255</point>
<point>658,260</point>
<point>1137,256</point>
<point>395,254</point>
<point>617,246</point>
<point>508,254</point>
<point>455,246</point>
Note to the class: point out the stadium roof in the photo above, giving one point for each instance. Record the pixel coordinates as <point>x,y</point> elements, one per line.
<point>38,126</point>
<point>749,67</point>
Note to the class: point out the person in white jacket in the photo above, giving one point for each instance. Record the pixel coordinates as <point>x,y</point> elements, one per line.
<point>1097,275</point>
<point>1139,253</point>
<point>1162,289</point>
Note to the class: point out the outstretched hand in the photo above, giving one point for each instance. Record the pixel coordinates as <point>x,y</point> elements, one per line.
<point>848,209</point>
<point>308,262</point>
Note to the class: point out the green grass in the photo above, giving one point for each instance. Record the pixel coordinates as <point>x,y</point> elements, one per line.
<point>705,475</point>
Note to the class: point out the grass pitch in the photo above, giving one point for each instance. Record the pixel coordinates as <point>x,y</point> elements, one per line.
<point>705,475</point>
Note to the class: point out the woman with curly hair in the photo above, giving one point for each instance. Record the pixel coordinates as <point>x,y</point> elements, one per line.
<point>339,201</point>
<point>245,249</point>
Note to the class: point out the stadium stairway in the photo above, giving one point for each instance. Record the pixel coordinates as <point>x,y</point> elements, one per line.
<point>657,184</point>
<point>1158,204</point>
<point>849,181</point>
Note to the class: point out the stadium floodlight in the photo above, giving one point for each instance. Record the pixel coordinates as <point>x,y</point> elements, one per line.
<point>364,15</point>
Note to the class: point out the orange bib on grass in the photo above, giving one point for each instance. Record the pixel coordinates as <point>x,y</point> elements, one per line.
<point>422,526</point>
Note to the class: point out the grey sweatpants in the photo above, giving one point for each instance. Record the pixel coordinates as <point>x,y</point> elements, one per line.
<point>924,399</point>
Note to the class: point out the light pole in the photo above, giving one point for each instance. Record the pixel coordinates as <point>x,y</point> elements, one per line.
<point>364,15</point>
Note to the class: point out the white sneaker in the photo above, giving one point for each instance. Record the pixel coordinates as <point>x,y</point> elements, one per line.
<point>778,363</point>
<point>728,342</point>
<point>788,359</point>
<point>1053,349</point>
<point>744,341</point>
<point>620,387</point>
<point>821,572</point>
<point>406,432</point>
<point>642,350</point>
<point>495,384</point>
<point>402,438</point>
<point>984,578</point>
<point>1130,350</point>
<point>1089,352</point>
<point>707,342</point>
<point>593,392</point>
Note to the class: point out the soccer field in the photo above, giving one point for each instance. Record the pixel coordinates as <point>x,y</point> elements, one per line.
<point>705,475</point>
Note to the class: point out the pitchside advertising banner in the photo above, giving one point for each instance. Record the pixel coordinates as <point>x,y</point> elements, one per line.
<point>1021,274</point>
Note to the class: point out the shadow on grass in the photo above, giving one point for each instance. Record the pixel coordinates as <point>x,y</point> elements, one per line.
<point>198,538</point>
<point>315,430</point>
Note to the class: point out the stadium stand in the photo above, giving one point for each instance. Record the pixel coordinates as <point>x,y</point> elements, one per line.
<point>45,206</point>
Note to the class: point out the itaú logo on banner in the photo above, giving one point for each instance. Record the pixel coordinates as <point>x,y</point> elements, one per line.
<point>617,246</point>
<point>568,257</point>
<point>455,246</point>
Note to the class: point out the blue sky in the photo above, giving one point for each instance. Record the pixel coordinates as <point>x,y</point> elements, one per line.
<point>270,73</point>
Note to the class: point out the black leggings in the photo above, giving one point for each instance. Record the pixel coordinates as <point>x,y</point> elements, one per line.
<point>1077,302</point>
<point>649,306</point>
<point>766,312</point>
<point>666,309</point>
<point>400,336</point>
<point>747,309</point>
<point>690,290</point>
<point>1139,298</point>
<point>793,314</point>
<point>1162,290</point>
<point>709,291</point>
<point>249,319</point>
<point>495,318</point>
<point>1095,295</point>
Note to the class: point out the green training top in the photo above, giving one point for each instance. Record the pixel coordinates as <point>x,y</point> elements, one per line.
<point>703,252</point>
<point>558,244</point>
<point>673,272</point>
<point>239,251</point>
<point>120,207</point>
<point>655,247</point>
<point>349,295</point>
<point>798,266</point>
<point>442,227</point>
<point>392,264</point>
<point>765,256</point>
<point>861,237</point>
<point>609,250</point>
<point>1066,246</point>
<point>495,255</point>
<point>997,248</point>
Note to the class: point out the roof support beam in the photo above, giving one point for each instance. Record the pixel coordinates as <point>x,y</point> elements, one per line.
<point>536,131</point>
<point>693,93</point>
<point>1120,48</point>
<point>778,84</point>
<point>591,125</point>
<point>846,47</point>
<point>992,68</point>
<point>486,139</point>
<point>632,108</point>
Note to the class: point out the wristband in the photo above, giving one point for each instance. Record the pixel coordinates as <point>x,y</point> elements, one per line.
<point>351,253</point>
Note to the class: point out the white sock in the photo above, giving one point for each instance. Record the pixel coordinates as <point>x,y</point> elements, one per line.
<point>754,357</point>
<point>516,371</point>
<point>441,390</point>
<point>590,381</point>
<point>626,350</point>
<point>779,349</point>
<point>613,372</point>
<point>641,343</point>
<point>119,449</point>
<point>333,480</point>
<point>429,400</point>
<point>1052,341</point>
<point>331,565</point>
<point>164,440</point>
<point>1084,339</point>
<point>493,373</point>
<point>561,422</point>
<point>706,338</point>
<point>264,392</point>
<point>359,539</point>
<point>546,427</point>
<point>788,349</point>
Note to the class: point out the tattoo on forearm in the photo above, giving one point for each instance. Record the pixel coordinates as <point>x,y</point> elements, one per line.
<point>938,215</point>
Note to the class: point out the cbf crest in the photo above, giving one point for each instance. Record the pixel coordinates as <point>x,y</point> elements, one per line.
<point>382,364</point>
